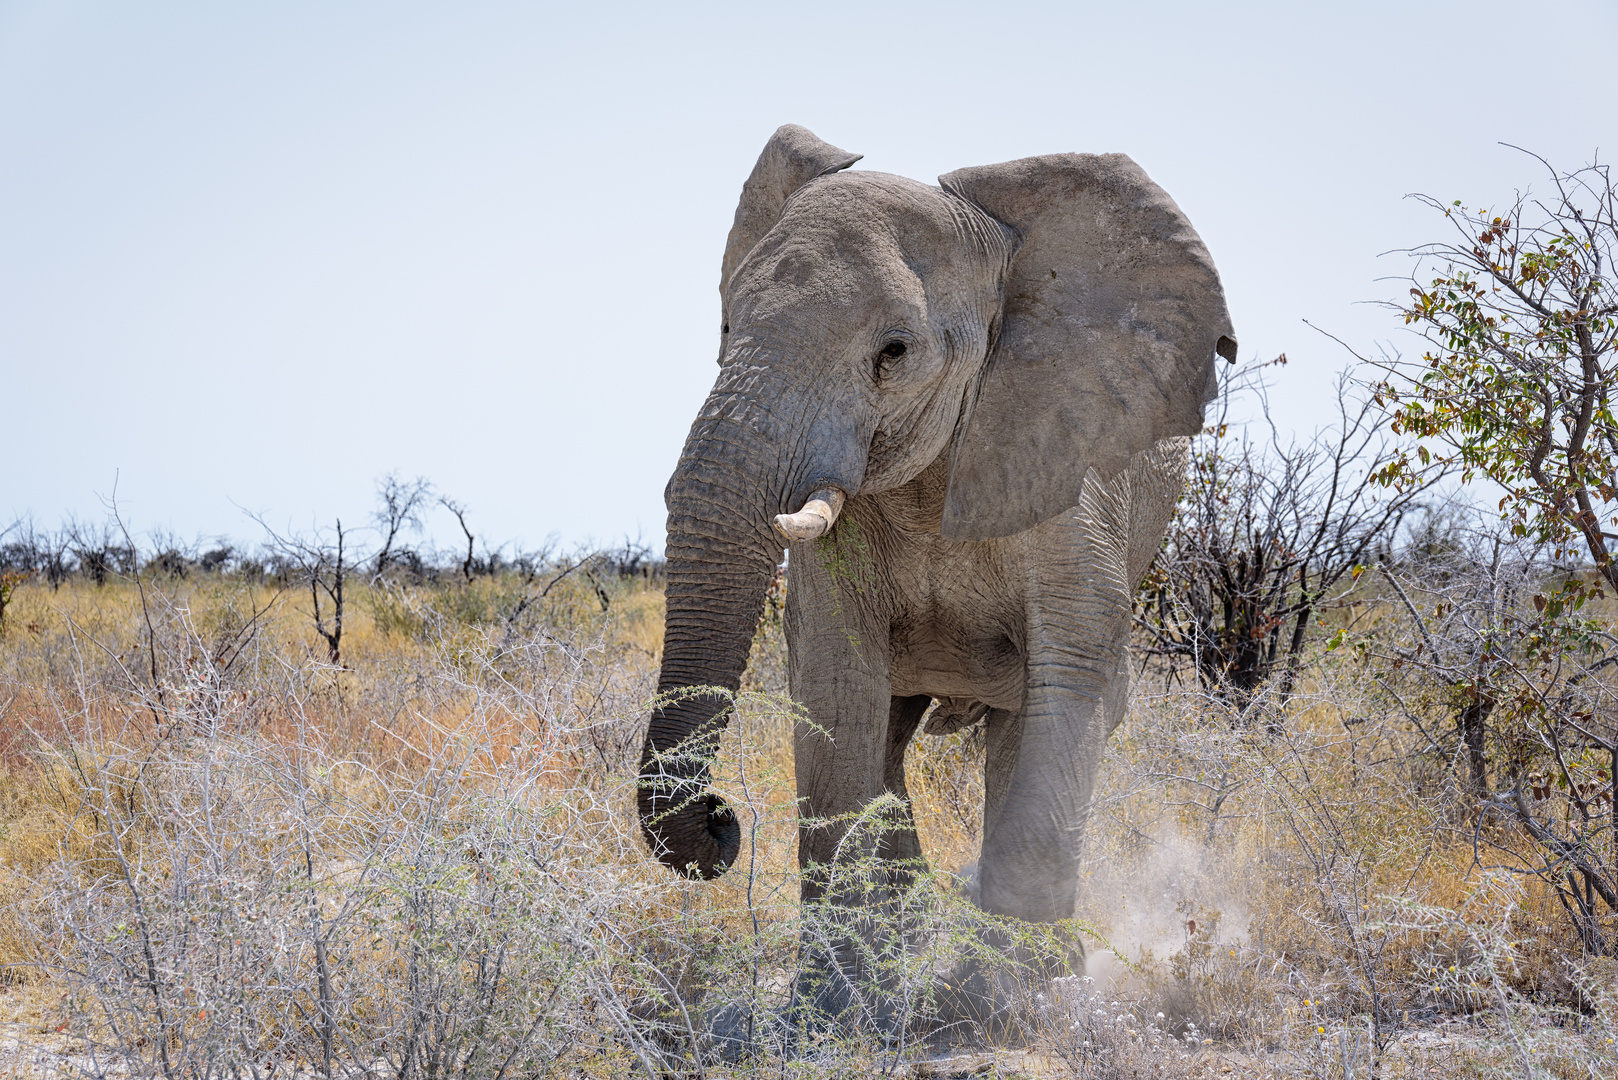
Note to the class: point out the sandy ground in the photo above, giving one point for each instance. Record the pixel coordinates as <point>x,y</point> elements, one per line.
<point>35,1043</point>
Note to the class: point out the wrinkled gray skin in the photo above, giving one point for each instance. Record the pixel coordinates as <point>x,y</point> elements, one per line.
<point>1009,477</point>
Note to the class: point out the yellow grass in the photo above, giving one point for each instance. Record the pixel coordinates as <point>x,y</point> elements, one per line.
<point>1243,878</point>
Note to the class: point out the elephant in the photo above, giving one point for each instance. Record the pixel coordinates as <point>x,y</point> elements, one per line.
<point>963,410</point>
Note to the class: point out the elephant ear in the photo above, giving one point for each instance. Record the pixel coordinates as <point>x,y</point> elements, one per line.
<point>792,158</point>
<point>1112,316</point>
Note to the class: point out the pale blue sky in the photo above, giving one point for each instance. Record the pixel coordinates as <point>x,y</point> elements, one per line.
<point>259,254</point>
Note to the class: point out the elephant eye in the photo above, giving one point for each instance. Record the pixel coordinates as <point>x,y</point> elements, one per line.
<point>885,356</point>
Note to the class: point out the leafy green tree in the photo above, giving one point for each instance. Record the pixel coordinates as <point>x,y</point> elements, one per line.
<point>1521,320</point>
<point>1516,386</point>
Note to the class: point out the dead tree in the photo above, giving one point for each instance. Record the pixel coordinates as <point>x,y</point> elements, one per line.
<point>1269,533</point>
<point>321,562</point>
<point>460,517</point>
<point>400,505</point>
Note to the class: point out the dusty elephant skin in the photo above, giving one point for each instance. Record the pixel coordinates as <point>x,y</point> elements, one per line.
<point>966,408</point>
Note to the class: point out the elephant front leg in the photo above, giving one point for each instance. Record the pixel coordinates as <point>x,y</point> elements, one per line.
<point>1039,772</point>
<point>1042,763</point>
<point>1039,790</point>
<point>849,750</point>
<point>855,809</point>
<point>857,867</point>
<point>857,843</point>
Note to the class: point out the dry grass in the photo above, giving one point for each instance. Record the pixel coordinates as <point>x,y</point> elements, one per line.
<point>449,817</point>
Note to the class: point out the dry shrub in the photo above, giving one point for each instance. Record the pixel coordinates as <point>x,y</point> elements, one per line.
<point>1302,890</point>
<point>241,860</point>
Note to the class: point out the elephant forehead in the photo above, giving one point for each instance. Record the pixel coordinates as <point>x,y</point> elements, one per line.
<point>821,256</point>
<point>807,275</point>
<point>859,241</point>
<point>864,204</point>
<point>879,218</point>
<point>871,216</point>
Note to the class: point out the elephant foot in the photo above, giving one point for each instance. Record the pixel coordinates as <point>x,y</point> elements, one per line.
<point>989,999</point>
<point>739,1030</point>
<point>843,1002</point>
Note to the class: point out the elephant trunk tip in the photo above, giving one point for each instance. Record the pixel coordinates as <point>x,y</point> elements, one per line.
<point>818,515</point>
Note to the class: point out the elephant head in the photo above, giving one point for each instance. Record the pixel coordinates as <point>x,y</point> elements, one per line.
<point>1032,320</point>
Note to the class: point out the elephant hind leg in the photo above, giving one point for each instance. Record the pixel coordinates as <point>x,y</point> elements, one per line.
<point>904,716</point>
<point>1003,738</point>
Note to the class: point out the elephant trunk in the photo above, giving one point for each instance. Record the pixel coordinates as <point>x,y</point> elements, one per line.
<point>722,556</point>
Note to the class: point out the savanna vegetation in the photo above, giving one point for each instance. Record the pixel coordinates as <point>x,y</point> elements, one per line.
<point>336,805</point>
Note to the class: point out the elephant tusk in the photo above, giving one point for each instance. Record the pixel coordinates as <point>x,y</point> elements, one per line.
<point>818,515</point>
